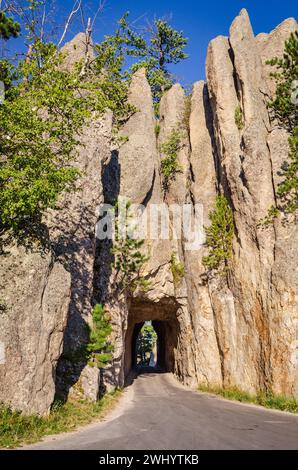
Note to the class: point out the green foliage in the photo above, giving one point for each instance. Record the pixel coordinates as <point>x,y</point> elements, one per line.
<point>110,83</point>
<point>41,118</point>
<point>268,400</point>
<point>155,49</point>
<point>8,27</point>
<point>169,163</point>
<point>157,129</point>
<point>177,269</point>
<point>287,191</point>
<point>7,74</point>
<point>17,429</point>
<point>46,106</point>
<point>3,306</point>
<point>38,124</point>
<point>219,237</point>
<point>285,110</point>
<point>99,346</point>
<point>145,343</point>
<point>239,118</point>
<point>121,139</point>
<point>283,105</point>
<point>187,112</point>
<point>273,212</point>
<point>128,258</point>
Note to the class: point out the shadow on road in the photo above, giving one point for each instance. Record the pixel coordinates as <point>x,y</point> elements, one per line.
<point>142,370</point>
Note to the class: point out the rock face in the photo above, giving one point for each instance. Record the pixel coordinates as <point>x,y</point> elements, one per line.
<point>236,332</point>
<point>74,51</point>
<point>226,332</point>
<point>248,161</point>
<point>49,296</point>
<point>74,243</point>
<point>35,292</point>
<point>137,157</point>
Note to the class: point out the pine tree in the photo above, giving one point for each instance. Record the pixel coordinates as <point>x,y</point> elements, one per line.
<point>146,341</point>
<point>99,346</point>
<point>219,236</point>
<point>128,257</point>
<point>155,49</point>
<point>285,110</point>
<point>8,27</point>
<point>170,166</point>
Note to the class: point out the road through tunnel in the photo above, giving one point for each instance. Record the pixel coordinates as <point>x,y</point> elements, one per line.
<point>163,318</point>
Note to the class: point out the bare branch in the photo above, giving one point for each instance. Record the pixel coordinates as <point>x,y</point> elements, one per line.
<point>83,18</point>
<point>74,10</point>
<point>43,19</point>
<point>88,33</point>
<point>99,10</point>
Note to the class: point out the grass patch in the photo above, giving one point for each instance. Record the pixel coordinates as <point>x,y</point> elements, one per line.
<point>17,429</point>
<point>268,400</point>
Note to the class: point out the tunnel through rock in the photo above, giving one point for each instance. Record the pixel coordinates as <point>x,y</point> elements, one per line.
<point>163,316</point>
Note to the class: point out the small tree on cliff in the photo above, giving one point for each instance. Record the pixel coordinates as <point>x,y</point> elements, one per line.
<point>99,346</point>
<point>156,46</point>
<point>219,237</point>
<point>127,251</point>
<point>285,110</point>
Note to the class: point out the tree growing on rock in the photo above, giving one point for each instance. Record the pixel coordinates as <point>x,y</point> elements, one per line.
<point>129,258</point>
<point>99,347</point>
<point>219,237</point>
<point>156,47</point>
<point>285,110</point>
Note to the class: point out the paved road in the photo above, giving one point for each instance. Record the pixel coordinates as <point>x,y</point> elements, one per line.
<point>158,413</point>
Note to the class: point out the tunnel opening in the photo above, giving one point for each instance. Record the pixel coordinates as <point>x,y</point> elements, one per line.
<point>145,347</point>
<point>162,317</point>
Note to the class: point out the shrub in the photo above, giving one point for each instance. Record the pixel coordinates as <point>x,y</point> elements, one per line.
<point>169,164</point>
<point>99,346</point>
<point>239,118</point>
<point>219,236</point>
<point>177,269</point>
<point>128,258</point>
<point>157,129</point>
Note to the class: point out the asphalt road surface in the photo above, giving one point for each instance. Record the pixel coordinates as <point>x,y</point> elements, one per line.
<point>157,413</point>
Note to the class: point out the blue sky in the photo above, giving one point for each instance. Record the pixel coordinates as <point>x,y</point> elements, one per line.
<point>200,20</point>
